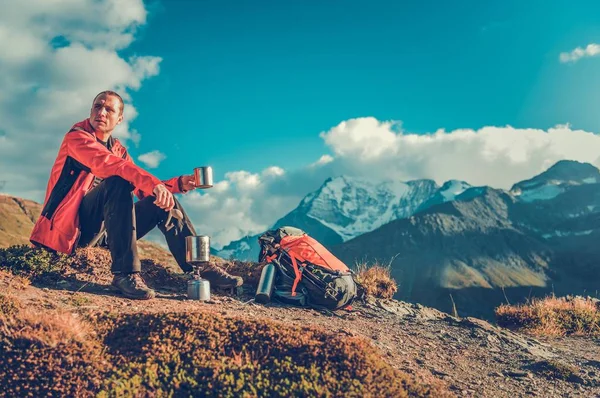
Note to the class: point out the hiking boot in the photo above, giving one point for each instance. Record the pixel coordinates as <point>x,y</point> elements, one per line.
<point>219,278</point>
<point>133,286</point>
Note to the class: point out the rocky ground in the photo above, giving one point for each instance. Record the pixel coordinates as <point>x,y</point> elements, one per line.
<point>469,356</point>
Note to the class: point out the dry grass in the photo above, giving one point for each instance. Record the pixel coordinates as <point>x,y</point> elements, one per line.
<point>9,306</point>
<point>15,282</point>
<point>376,280</point>
<point>49,329</point>
<point>192,354</point>
<point>556,370</point>
<point>248,270</point>
<point>552,316</point>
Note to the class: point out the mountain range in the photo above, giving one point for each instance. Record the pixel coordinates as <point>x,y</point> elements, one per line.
<point>458,245</point>
<point>344,208</point>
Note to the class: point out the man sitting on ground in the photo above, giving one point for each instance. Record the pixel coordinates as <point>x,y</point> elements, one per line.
<point>92,183</point>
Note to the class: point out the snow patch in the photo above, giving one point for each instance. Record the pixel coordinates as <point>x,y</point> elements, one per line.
<point>453,189</point>
<point>544,192</point>
<point>354,206</point>
<point>567,233</point>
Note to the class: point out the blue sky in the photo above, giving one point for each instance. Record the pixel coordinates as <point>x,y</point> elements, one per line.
<point>278,96</point>
<point>244,85</point>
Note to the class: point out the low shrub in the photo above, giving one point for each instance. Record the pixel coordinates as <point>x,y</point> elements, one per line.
<point>34,263</point>
<point>209,355</point>
<point>48,355</point>
<point>377,280</point>
<point>553,316</point>
<point>552,369</point>
<point>197,354</point>
<point>8,306</point>
<point>89,264</point>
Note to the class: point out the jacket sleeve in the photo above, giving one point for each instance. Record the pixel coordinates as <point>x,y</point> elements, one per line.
<point>173,184</point>
<point>84,148</point>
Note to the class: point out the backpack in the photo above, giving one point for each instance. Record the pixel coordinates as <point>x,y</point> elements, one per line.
<point>307,273</point>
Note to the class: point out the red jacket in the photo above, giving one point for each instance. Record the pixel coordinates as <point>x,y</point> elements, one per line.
<point>79,159</point>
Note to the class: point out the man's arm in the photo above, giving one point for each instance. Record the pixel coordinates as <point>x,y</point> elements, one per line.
<point>174,185</point>
<point>84,148</point>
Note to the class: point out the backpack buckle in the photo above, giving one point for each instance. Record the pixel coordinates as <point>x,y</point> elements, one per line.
<point>331,291</point>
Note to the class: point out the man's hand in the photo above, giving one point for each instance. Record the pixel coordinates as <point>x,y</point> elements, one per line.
<point>164,198</point>
<point>188,182</point>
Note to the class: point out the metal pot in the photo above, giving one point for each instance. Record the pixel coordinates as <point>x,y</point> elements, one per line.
<point>203,177</point>
<point>197,249</point>
<point>198,289</point>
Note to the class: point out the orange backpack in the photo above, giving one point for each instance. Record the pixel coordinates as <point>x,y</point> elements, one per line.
<point>307,273</point>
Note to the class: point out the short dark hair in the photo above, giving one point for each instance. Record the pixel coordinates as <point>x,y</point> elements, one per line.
<point>110,92</point>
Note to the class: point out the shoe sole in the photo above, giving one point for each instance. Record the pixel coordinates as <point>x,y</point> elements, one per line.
<point>150,297</point>
<point>131,296</point>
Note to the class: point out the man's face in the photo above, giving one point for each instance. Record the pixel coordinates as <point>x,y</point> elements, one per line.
<point>106,113</point>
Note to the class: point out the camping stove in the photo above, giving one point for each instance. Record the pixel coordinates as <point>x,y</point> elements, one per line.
<point>197,254</point>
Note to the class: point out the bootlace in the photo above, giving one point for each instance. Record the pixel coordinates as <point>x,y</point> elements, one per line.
<point>218,270</point>
<point>137,280</point>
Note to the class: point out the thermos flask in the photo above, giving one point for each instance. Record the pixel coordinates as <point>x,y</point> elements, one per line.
<point>198,289</point>
<point>266,283</point>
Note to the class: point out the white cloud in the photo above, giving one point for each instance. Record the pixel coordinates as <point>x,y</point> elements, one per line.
<point>365,138</point>
<point>322,161</point>
<point>590,50</point>
<point>152,159</point>
<point>273,171</point>
<point>248,203</point>
<point>241,204</point>
<point>496,156</point>
<point>55,56</point>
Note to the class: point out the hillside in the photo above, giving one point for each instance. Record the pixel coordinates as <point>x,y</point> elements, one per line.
<point>436,354</point>
<point>17,217</point>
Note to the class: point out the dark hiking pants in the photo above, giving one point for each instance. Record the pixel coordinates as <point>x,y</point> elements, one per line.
<point>125,222</point>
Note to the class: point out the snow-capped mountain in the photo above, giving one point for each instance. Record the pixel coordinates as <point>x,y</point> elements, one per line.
<point>344,208</point>
<point>556,180</point>
<point>530,240</point>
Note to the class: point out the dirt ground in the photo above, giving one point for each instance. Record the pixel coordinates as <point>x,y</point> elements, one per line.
<point>469,356</point>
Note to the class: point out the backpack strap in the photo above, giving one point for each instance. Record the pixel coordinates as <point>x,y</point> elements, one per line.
<point>296,272</point>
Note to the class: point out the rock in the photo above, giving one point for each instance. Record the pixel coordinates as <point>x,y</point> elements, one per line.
<point>517,373</point>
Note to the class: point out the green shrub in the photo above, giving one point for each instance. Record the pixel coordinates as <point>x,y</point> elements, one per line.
<point>209,355</point>
<point>195,354</point>
<point>34,263</point>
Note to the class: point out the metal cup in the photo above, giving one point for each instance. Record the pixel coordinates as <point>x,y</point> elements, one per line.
<point>197,249</point>
<point>203,177</point>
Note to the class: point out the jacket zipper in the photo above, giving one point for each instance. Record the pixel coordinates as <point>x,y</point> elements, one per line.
<point>62,204</point>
